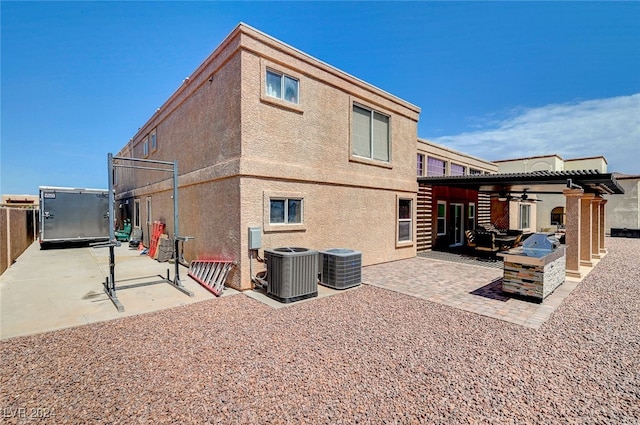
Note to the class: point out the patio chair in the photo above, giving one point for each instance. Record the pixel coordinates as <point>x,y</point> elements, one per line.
<point>123,235</point>
<point>486,241</point>
<point>470,236</point>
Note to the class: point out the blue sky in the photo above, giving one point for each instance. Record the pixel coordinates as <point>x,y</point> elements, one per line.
<point>495,80</point>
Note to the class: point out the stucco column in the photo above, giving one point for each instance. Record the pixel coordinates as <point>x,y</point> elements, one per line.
<point>595,227</point>
<point>572,229</point>
<point>586,218</point>
<point>603,249</point>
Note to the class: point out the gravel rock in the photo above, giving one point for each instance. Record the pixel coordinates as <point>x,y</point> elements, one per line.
<point>363,356</point>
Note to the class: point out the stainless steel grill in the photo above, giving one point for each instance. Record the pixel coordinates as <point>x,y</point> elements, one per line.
<point>540,244</point>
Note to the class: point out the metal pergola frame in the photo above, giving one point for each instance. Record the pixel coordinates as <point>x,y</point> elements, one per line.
<point>114,162</point>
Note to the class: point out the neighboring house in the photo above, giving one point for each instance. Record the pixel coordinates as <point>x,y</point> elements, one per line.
<point>20,201</point>
<point>444,213</point>
<point>621,210</point>
<point>267,136</point>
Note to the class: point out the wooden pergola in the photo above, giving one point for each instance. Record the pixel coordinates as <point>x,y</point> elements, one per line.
<point>584,191</point>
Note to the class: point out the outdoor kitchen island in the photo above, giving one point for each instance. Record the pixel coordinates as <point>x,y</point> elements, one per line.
<point>536,269</point>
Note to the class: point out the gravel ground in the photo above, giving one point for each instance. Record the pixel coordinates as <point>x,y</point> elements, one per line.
<point>364,356</point>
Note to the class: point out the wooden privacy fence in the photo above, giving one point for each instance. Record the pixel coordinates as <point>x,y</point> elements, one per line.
<point>18,230</point>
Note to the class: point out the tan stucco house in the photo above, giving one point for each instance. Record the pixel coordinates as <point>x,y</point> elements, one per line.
<point>267,136</point>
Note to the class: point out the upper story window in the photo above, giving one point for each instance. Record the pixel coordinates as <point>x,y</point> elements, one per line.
<point>145,147</point>
<point>474,172</point>
<point>370,134</point>
<point>154,140</point>
<point>420,168</point>
<point>457,169</point>
<point>282,86</point>
<point>435,167</point>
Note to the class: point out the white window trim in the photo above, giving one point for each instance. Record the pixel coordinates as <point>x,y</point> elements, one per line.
<point>283,77</point>
<point>471,218</point>
<point>409,242</point>
<point>520,223</point>
<point>136,213</point>
<point>422,172</point>
<point>154,140</point>
<point>145,146</point>
<point>443,218</point>
<point>267,196</point>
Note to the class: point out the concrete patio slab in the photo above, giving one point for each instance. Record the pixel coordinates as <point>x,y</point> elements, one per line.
<point>54,289</point>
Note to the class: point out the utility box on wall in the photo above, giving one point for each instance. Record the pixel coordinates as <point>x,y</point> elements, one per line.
<point>255,238</point>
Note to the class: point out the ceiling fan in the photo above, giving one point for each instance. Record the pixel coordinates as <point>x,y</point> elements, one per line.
<point>507,197</point>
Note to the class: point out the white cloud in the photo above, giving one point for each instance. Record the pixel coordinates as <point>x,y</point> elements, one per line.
<point>608,127</point>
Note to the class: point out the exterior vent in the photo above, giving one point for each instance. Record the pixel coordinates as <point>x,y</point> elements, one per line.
<point>292,273</point>
<point>341,268</point>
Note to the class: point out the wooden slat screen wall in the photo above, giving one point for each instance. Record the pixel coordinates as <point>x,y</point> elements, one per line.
<point>424,219</point>
<point>484,208</point>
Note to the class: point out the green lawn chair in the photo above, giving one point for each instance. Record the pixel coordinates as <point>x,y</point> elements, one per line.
<point>123,235</point>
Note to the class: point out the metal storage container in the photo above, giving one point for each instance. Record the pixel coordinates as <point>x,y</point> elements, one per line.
<point>341,268</point>
<point>73,215</point>
<point>292,273</point>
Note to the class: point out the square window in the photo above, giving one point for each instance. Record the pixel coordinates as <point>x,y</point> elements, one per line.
<point>285,211</point>
<point>282,86</point>
<point>435,167</point>
<point>457,170</point>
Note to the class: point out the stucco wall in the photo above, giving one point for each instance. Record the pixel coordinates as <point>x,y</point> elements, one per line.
<point>623,211</point>
<point>596,163</point>
<point>4,241</point>
<point>448,155</point>
<point>544,208</point>
<point>235,147</point>
<point>534,163</point>
<point>357,218</point>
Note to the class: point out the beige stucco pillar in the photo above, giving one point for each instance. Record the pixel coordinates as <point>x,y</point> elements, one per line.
<point>586,218</point>
<point>572,229</point>
<point>603,249</point>
<point>595,227</point>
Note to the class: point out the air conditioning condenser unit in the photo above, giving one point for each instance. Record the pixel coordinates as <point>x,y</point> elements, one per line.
<point>292,273</point>
<point>341,268</point>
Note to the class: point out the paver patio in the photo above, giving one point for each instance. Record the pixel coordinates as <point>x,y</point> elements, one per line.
<point>467,287</point>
